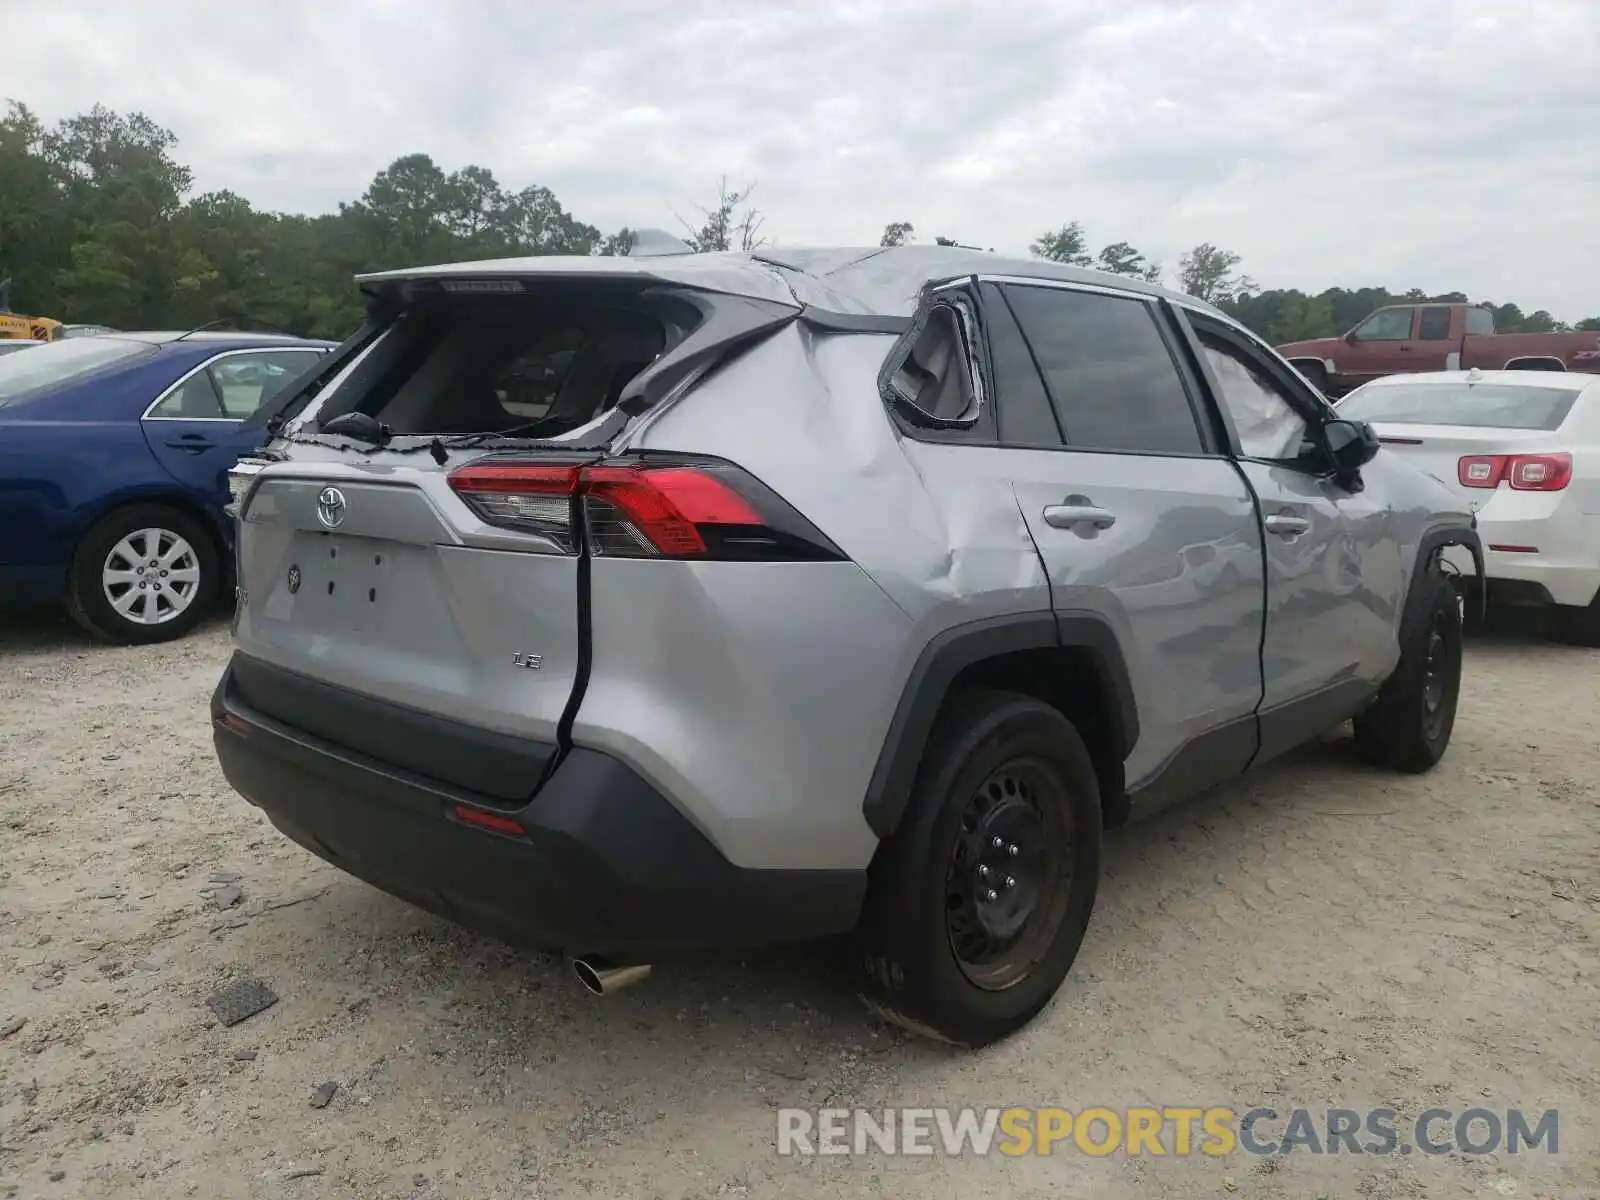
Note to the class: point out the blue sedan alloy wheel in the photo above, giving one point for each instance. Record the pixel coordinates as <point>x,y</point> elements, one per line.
<point>147,573</point>
<point>151,576</point>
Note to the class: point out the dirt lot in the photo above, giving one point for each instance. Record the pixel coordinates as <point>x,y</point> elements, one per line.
<point>1324,935</point>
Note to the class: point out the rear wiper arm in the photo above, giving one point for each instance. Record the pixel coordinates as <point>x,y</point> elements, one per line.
<point>359,427</point>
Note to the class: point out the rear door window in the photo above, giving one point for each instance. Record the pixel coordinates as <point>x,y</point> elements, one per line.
<point>1434,325</point>
<point>194,399</point>
<point>1022,406</point>
<point>232,387</point>
<point>1110,376</point>
<point>247,381</point>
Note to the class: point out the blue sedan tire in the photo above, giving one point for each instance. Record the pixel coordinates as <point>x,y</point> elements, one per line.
<point>145,573</point>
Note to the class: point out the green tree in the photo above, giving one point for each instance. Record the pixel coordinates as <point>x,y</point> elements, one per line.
<point>1208,273</point>
<point>731,223</point>
<point>896,233</point>
<point>1542,322</point>
<point>1065,245</point>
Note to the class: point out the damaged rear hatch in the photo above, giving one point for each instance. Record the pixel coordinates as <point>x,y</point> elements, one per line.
<point>396,599</point>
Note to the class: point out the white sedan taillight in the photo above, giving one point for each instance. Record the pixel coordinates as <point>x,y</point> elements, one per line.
<point>1523,472</point>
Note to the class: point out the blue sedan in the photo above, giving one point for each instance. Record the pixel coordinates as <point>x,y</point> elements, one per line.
<point>114,455</point>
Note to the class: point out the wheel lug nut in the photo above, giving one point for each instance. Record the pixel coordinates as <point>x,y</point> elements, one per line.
<point>1012,850</point>
<point>1010,882</point>
<point>983,872</point>
<point>997,843</point>
<point>992,894</point>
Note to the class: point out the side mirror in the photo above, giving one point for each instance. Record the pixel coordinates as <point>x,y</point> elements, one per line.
<point>1351,444</point>
<point>1350,338</point>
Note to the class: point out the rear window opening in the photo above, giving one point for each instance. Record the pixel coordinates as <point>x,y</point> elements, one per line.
<point>537,366</point>
<point>1476,405</point>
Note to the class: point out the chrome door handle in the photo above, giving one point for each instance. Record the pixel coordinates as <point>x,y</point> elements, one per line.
<point>1065,516</point>
<point>1286,525</point>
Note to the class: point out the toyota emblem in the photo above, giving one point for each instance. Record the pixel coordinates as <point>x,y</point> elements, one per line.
<point>330,507</point>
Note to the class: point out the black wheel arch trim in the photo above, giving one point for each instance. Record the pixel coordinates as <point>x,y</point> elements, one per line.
<point>1429,547</point>
<point>964,645</point>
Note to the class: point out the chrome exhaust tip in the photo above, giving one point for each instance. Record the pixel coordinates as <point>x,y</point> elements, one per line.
<point>602,978</point>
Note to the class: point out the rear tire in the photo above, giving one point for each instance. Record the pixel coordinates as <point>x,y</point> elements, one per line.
<point>1408,727</point>
<point>976,905</point>
<point>118,596</point>
<point>1578,626</point>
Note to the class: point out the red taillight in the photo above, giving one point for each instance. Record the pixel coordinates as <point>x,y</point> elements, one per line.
<point>653,511</point>
<point>643,509</point>
<point>518,479</point>
<point>1540,472</point>
<point>1524,472</point>
<point>531,497</point>
<point>1481,470</point>
<point>493,822</point>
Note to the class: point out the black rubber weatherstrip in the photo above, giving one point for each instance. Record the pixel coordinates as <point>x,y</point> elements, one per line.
<point>841,322</point>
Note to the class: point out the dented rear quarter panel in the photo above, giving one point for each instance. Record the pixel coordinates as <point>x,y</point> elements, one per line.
<point>801,412</point>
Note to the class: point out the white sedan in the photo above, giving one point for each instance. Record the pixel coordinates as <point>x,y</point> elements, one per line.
<point>1523,447</point>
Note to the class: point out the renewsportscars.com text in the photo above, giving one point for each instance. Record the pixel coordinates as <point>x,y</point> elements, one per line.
<point>1177,1131</point>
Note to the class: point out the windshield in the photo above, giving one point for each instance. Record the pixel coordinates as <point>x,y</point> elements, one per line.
<point>61,362</point>
<point>1481,405</point>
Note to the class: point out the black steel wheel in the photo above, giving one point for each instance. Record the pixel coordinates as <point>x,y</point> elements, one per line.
<point>1408,726</point>
<point>977,903</point>
<point>1006,883</point>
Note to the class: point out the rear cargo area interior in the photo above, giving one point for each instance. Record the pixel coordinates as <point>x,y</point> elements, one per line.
<point>540,366</point>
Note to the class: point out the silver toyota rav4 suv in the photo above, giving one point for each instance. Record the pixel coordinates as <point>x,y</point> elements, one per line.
<point>630,605</point>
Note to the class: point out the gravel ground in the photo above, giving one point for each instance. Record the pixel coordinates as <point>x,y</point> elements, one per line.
<point>1321,935</point>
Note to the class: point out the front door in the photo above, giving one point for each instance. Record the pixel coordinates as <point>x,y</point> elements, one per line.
<point>1136,516</point>
<point>1334,574</point>
<point>1382,346</point>
<point>196,428</point>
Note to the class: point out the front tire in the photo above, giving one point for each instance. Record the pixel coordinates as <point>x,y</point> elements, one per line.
<point>142,574</point>
<point>977,904</point>
<point>1408,727</point>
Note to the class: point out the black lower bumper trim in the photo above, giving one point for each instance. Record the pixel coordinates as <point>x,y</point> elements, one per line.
<point>608,865</point>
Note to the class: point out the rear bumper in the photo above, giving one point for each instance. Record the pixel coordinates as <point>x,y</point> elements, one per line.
<point>1532,575</point>
<point>607,864</point>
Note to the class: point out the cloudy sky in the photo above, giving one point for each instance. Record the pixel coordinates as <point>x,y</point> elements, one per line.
<point>1433,143</point>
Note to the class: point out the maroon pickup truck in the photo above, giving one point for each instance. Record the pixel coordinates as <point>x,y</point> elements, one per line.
<point>1435,337</point>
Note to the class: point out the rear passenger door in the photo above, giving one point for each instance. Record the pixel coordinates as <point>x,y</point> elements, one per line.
<point>196,428</point>
<point>1333,570</point>
<point>1137,513</point>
